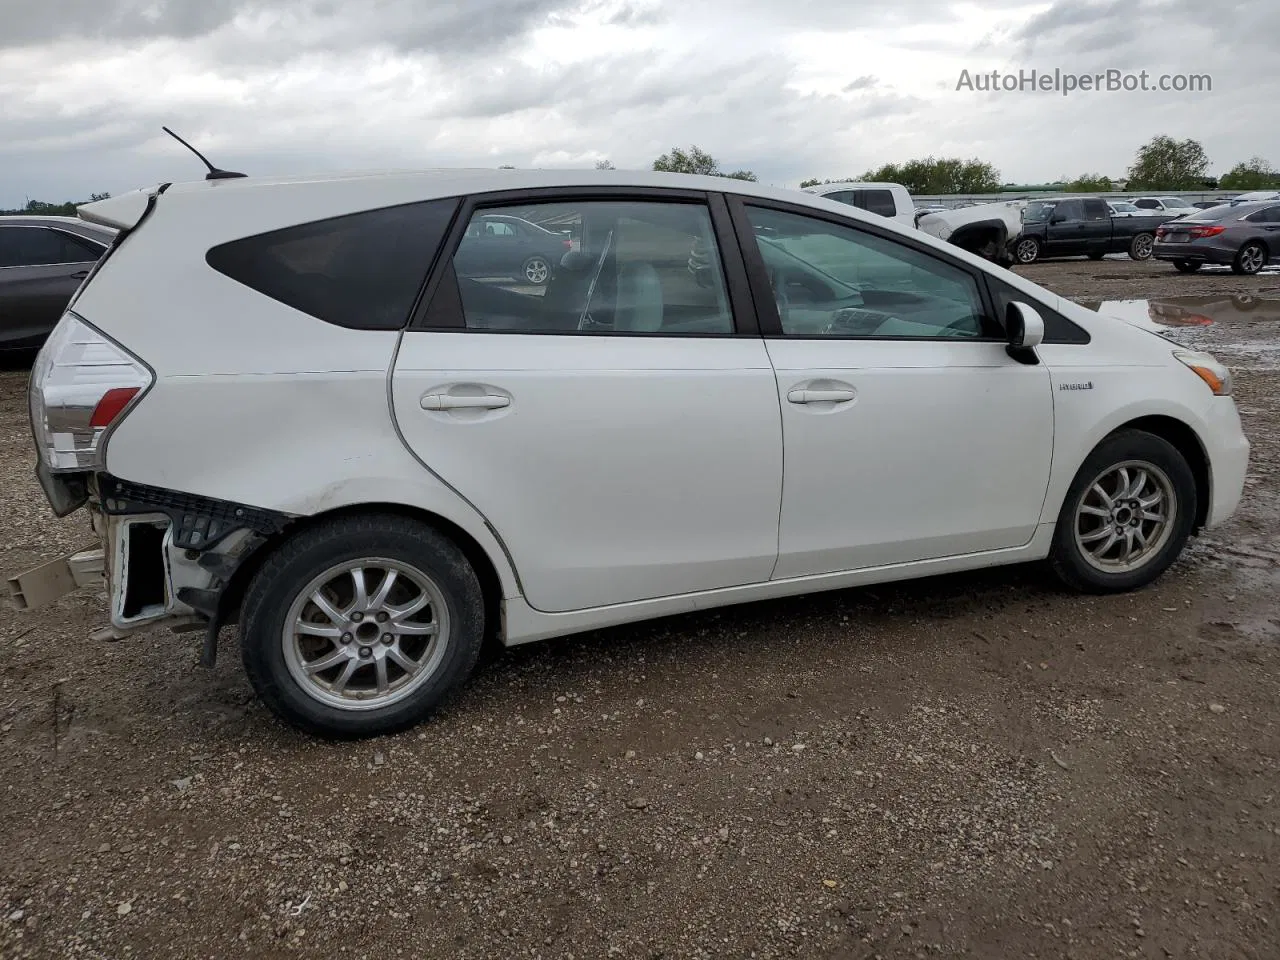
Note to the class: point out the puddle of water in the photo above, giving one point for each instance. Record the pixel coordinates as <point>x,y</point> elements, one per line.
<point>1202,311</point>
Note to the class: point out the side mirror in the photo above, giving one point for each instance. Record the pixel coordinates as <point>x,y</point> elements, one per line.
<point>1025,330</point>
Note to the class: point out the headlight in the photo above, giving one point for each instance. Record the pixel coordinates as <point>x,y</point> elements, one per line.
<point>1208,369</point>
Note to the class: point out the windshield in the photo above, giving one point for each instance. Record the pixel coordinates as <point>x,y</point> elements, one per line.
<point>1173,202</point>
<point>1037,211</point>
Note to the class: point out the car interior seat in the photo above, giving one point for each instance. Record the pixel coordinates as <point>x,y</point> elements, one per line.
<point>565,295</point>
<point>640,304</point>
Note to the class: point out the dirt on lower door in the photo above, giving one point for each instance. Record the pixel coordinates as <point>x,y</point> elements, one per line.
<point>979,766</point>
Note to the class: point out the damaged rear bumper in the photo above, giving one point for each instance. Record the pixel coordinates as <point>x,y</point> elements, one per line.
<point>162,554</point>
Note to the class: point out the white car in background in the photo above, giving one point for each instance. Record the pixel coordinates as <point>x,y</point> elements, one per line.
<point>986,229</point>
<point>289,404</point>
<point>1175,206</point>
<point>1123,208</point>
<point>890,200</point>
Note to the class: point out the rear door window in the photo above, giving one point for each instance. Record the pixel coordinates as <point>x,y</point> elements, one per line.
<point>363,270</point>
<point>41,246</point>
<point>1096,210</point>
<point>878,201</point>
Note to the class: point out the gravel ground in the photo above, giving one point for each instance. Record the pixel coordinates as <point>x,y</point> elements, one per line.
<point>979,766</point>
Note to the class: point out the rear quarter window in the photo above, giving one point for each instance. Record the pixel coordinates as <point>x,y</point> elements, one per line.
<point>362,270</point>
<point>880,201</point>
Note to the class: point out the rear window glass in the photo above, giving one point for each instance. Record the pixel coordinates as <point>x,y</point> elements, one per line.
<point>362,270</point>
<point>880,201</point>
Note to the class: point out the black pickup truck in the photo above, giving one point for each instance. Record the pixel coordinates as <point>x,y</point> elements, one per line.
<point>1082,226</point>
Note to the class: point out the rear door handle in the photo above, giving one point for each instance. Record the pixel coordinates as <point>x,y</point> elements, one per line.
<point>446,401</point>
<point>80,276</point>
<point>821,396</point>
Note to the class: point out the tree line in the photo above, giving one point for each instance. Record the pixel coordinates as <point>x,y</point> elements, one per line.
<point>40,208</point>
<point>1163,163</point>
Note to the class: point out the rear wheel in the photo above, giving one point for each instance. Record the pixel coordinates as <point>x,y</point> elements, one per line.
<point>1186,266</point>
<point>536,270</point>
<point>1027,250</point>
<point>361,625</point>
<point>1126,516</point>
<point>1251,258</point>
<point>1140,246</point>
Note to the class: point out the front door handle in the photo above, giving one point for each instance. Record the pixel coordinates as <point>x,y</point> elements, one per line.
<point>800,395</point>
<point>80,275</point>
<point>447,401</point>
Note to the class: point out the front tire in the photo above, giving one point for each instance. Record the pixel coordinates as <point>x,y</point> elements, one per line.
<point>1251,258</point>
<point>1141,246</point>
<point>1027,250</point>
<point>361,625</point>
<point>1126,516</point>
<point>1186,266</point>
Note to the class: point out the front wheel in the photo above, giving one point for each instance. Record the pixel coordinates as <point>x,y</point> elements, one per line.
<point>1126,516</point>
<point>1140,246</point>
<point>1027,250</point>
<point>361,625</point>
<point>1186,266</point>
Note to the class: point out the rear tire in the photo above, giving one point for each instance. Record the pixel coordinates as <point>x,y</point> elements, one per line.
<point>395,651</point>
<point>1251,258</point>
<point>1186,266</point>
<point>1143,476</point>
<point>1141,245</point>
<point>535,270</point>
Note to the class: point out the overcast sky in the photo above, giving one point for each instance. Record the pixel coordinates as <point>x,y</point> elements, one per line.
<point>788,88</point>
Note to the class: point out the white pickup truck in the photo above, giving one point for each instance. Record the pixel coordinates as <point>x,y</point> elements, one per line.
<point>986,229</point>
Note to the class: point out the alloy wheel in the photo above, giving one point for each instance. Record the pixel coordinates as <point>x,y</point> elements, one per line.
<point>365,634</point>
<point>1125,517</point>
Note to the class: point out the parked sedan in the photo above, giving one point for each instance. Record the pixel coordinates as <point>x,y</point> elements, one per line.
<point>295,406</point>
<point>42,261</point>
<point>512,247</point>
<point>1173,206</point>
<point>1246,236</point>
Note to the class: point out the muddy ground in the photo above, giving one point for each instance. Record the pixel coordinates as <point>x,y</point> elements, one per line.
<point>979,766</point>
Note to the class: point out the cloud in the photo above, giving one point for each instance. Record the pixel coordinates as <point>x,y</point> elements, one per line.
<point>788,88</point>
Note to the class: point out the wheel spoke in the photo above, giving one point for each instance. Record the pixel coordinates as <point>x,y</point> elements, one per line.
<point>1139,481</point>
<point>1148,502</point>
<point>340,684</point>
<point>1153,515</point>
<point>1126,549</point>
<point>1122,489</point>
<point>1094,511</point>
<point>318,630</point>
<point>400,613</point>
<point>398,657</point>
<point>361,599</point>
<point>1095,535</point>
<point>384,590</point>
<point>1100,492</point>
<point>1140,535</point>
<point>1110,542</point>
<point>380,668</point>
<point>417,629</point>
<point>326,607</point>
<point>324,663</point>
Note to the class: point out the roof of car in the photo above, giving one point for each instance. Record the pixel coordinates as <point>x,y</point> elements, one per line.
<point>67,223</point>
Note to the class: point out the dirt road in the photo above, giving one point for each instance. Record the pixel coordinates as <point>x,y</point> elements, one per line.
<point>979,766</point>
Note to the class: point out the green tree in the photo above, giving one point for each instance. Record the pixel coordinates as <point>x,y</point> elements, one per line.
<point>696,160</point>
<point>1168,164</point>
<point>810,183</point>
<point>1088,183</point>
<point>605,165</point>
<point>938,175</point>
<point>1252,174</point>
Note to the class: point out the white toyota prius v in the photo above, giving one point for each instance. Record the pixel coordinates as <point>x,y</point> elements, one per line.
<point>376,419</point>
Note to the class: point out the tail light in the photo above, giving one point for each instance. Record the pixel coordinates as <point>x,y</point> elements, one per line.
<point>1199,233</point>
<point>81,384</point>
